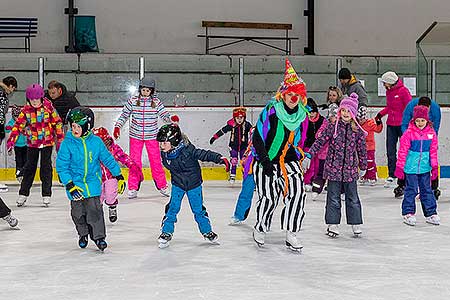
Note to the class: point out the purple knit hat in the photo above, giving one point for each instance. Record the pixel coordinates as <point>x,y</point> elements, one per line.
<point>351,104</point>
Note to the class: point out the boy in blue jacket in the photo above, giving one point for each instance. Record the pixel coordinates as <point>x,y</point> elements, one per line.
<point>78,167</point>
<point>181,159</point>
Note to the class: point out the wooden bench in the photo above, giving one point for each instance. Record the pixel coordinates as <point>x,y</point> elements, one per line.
<point>19,28</point>
<point>248,25</point>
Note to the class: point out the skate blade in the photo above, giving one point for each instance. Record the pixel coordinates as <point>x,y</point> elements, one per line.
<point>332,234</point>
<point>163,245</point>
<point>435,224</point>
<point>216,242</point>
<point>293,249</point>
<point>409,224</point>
<point>357,235</point>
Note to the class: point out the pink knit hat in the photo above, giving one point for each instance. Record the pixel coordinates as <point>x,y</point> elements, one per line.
<point>421,111</point>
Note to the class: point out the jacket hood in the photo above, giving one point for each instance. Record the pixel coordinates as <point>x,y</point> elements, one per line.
<point>353,80</point>
<point>398,85</point>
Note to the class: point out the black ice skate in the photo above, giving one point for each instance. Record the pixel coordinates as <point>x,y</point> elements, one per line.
<point>211,237</point>
<point>437,193</point>
<point>113,213</point>
<point>83,241</point>
<point>399,191</point>
<point>101,244</point>
<point>164,240</point>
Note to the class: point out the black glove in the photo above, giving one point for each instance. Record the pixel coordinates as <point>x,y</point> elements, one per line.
<point>211,141</point>
<point>75,191</point>
<point>2,131</point>
<point>378,117</point>
<point>268,167</point>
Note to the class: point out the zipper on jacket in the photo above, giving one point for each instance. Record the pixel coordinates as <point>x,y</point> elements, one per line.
<point>345,151</point>
<point>420,156</point>
<point>85,168</point>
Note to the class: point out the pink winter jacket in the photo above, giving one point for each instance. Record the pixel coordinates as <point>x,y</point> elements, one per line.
<point>396,100</point>
<point>121,157</point>
<point>322,154</point>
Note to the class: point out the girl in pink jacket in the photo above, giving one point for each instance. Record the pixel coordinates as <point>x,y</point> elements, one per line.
<point>109,182</point>
<point>417,157</point>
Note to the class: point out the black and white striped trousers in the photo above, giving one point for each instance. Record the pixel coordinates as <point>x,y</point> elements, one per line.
<point>270,191</point>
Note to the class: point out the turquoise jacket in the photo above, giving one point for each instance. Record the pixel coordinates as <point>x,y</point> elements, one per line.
<point>79,159</point>
<point>22,139</point>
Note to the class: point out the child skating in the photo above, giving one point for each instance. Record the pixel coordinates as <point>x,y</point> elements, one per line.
<point>78,165</point>
<point>181,159</point>
<point>5,214</point>
<point>20,147</point>
<point>371,126</point>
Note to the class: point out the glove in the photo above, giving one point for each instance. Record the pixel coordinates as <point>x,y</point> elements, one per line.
<point>434,173</point>
<point>116,133</point>
<point>306,161</point>
<point>75,191</point>
<point>211,141</point>
<point>378,118</point>
<point>268,167</point>
<point>175,119</point>
<point>399,173</point>
<point>362,173</point>
<point>120,184</point>
<point>2,131</point>
<point>225,162</point>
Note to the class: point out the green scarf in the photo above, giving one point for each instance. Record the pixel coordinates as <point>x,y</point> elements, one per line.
<point>292,121</point>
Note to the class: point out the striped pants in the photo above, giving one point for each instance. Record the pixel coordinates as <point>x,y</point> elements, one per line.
<point>270,191</point>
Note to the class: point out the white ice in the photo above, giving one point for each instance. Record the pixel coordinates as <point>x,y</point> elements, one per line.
<point>41,259</point>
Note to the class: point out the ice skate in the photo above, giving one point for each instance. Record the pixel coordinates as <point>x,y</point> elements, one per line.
<point>21,200</point>
<point>399,191</point>
<point>164,239</point>
<point>292,243</point>
<point>389,182</point>
<point>362,181</point>
<point>232,178</point>
<point>132,194</point>
<point>11,220</point>
<point>211,237</point>
<point>333,230</point>
<point>83,241</point>
<point>433,220</point>
<point>372,182</point>
<point>46,201</point>
<point>101,244</point>
<point>3,188</point>
<point>314,196</point>
<point>258,237</point>
<point>308,188</point>
<point>112,213</point>
<point>356,230</point>
<point>437,193</point>
<point>409,219</point>
<point>165,191</point>
<point>235,221</point>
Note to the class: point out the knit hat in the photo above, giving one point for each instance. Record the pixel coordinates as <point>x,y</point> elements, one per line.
<point>389,77</point>
<point>147,82</point>
<point>422,112</point>
<point>239,112</point>
<point>34,91</point>
<point>312,105</point>
<point>344,73</point>
<point>292,83</point>
<point>351,104</point>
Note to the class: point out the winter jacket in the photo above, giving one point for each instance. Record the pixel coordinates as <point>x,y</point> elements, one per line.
<point>371,127</point>
<point>418,152</point>
<point>239,134</point>
<point>79,159</point>
<point>4,103</point>
<point>121,157</point>
<point>313,128</point>
<point>184,168</point>
<point>64,103</point>
<point>397,98</point>
<point>22,139</point>
<point>41,126</point>
<point>435,114</point>
<point>355,86</point>
<point>144,117</point>
<point>346,152</point>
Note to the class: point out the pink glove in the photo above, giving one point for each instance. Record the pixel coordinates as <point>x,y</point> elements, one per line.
<point>399,173</point>
<point>434,173</point>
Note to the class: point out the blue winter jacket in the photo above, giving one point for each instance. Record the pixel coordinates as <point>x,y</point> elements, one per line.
<point>435,114</point>
<point>79,159</point>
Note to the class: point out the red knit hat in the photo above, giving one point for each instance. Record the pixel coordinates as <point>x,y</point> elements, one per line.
<point>422,112</point>
<point>239,112</point>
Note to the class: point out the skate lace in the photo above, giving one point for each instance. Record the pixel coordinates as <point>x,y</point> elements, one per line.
<point>210,235</point>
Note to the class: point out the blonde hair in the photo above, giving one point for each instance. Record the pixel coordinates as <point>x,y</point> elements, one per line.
<point>337,90</point>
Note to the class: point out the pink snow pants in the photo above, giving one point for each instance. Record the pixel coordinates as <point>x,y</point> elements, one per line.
<point>312,171</point>
<point>109,192</point>
<point>154,157</point>
<point>371,166</point>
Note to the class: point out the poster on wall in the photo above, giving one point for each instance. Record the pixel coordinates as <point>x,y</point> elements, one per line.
<point>410,83</point>
<point>381,89</point>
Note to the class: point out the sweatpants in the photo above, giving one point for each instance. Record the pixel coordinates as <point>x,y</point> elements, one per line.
<point>235,157</point>
<point>244,201</point>
<point>270,191</point>
<point>195,198</point>
<point>353,208</point>
<point>4,209</point>
<point>20,154</point>
<point>154,157</point>
<point>371,173</point>
<point>393,135</point>
<point>421,183</point>
<point>45,173</point>
<point>109,192</point>
<point>87,215</point>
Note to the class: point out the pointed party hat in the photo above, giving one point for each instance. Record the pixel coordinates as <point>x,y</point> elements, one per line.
<point>292,83</point>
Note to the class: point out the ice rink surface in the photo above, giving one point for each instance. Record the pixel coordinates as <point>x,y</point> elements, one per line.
<point>42,260</point>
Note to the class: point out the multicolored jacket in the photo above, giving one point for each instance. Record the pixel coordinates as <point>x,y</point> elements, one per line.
<point>79,160</point>
<point>248,158</point>
<point>418,152</point>
<point>41,126</point>
<point>397,98</point>
<point>239,136</point>
<point>22,139</point>
<point>144,112</point>
<point>346,152</point>
<point>121,157</point>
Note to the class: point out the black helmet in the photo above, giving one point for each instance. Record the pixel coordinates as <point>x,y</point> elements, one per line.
<point>82,116</point>
<point>169,133</point>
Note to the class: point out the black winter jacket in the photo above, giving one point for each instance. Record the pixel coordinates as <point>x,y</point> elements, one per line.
<point>64,103</point>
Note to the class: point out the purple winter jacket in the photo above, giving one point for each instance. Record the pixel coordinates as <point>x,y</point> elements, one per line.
<point>346,152</point>
<point>397,98</point>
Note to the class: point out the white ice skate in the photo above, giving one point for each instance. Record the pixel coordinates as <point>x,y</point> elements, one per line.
<point>314,196</point>
<point>232,179</point>
<point>164,240</point>
<point>235,221</point>
<point>372,182</point>
<point>259,237</point>
<point>389,183</point>
<point>132,194</point>
<point>46,201</point>
<point>409,219</point>
<point>292,243</point>
<point>21,200</point>
<point>333,230</point>
<point>308,188</point>
<point>357,230</point>
<point>3,188</point>
<point>11,220</point>
<point>434,220</point>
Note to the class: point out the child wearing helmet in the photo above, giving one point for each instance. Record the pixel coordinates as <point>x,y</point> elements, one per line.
<point>78,165</point>
<point>20,147</point>
<point>109,183</point>
<point>181,159</point>
<point>239,128</point>
<point>144,110</point>
<point>43,130</point>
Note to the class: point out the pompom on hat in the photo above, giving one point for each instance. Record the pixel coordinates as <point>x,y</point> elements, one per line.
<point>292,83</point>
